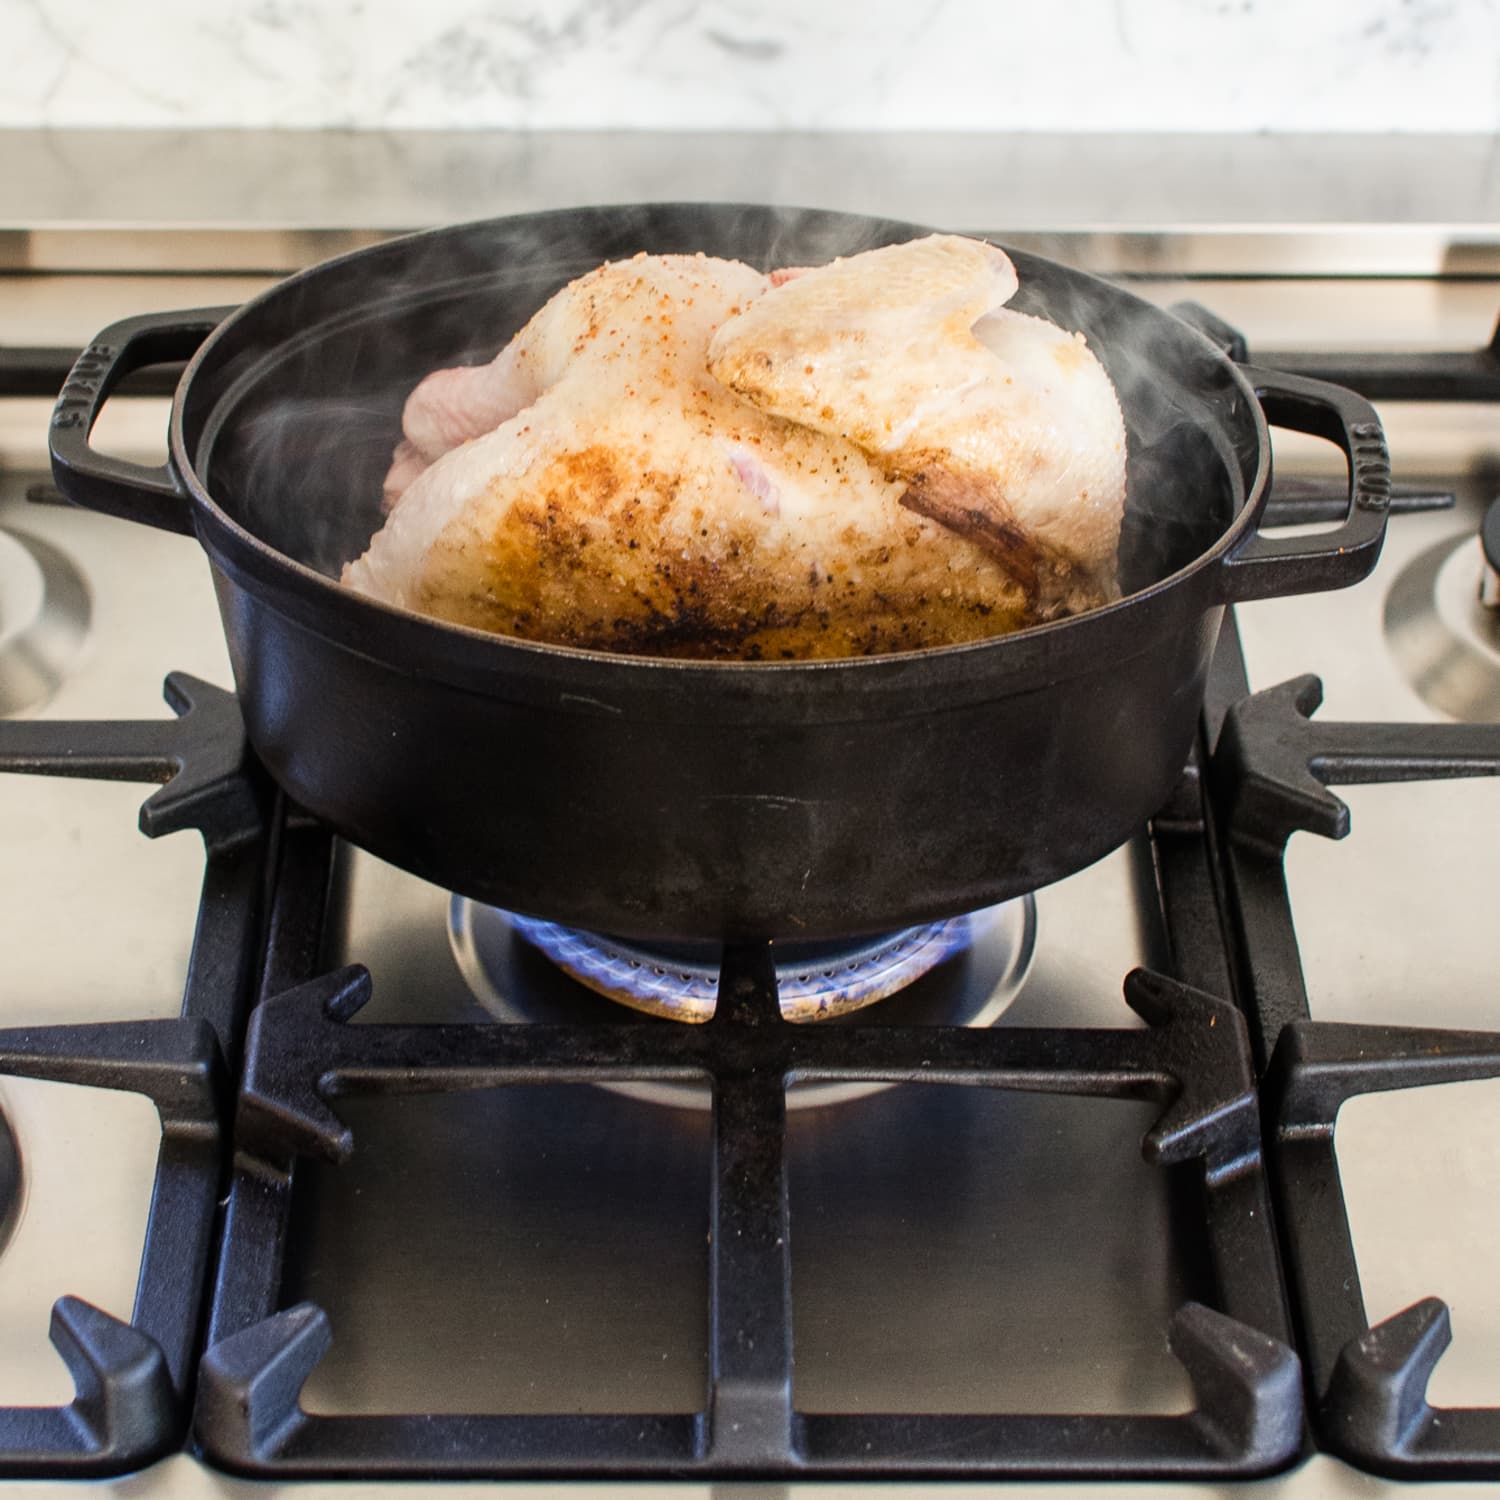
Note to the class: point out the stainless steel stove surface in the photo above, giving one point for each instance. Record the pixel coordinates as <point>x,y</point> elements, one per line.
<point>546,1248</point>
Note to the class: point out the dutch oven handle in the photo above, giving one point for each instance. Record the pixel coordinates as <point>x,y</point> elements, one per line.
<point>138,492</point>
<point>1263,566</point>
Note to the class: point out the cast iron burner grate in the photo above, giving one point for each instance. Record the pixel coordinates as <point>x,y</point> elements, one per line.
<point>301,1052</point>
<point>1271,774</point>
<point>1271,769</point>
<point>134,1381</point>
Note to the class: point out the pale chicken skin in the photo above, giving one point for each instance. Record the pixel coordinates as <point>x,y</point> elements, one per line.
<point>1002,426</point>
<point>601,485</point>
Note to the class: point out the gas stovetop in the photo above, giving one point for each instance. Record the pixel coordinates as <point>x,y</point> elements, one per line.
<point>404,1199</point>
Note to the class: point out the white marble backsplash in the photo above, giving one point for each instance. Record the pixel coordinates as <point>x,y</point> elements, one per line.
<point>1095,65</point>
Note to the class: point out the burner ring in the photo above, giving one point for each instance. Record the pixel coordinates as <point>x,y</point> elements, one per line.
<point>1445,641</point>
<point>681,982</point>
<point>972,986</point>
<point>44,620</point>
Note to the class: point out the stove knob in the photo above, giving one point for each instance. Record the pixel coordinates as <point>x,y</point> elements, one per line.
<point>1489,540</point>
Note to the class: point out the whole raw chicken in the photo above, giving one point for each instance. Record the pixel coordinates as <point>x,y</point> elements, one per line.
<point>681,456</point>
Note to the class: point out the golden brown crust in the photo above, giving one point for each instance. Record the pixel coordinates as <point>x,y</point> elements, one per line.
<point>596,555</point>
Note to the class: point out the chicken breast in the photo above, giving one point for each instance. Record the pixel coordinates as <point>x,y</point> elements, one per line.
<point>1001,426</point>
<point>616,480</point>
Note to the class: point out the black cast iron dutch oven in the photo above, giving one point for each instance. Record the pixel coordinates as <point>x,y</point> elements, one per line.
<point>673,799</point>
